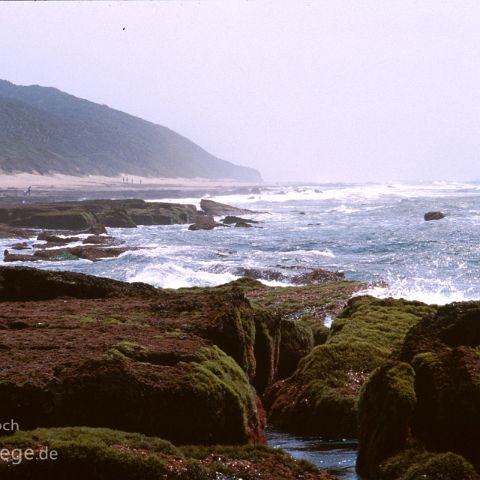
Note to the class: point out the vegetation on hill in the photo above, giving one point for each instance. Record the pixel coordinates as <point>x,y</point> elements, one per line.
<point>45,130</point>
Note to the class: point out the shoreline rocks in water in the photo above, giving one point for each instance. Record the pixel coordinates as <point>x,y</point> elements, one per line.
<point>85,252</point>
<point>232,219</point>
<point>88,214</point>
<point>433,216</point>
<point>218,209</point>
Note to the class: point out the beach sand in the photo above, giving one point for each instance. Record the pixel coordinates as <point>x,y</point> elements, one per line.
<point>121,182</point>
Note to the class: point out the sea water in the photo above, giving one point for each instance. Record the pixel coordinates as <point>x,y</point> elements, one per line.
<point>373,233</point>
<point>370,232</point>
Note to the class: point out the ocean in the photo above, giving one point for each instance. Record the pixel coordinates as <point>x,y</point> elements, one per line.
<point>373,233</point>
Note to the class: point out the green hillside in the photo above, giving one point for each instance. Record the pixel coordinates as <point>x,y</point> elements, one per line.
<point>45,130</point>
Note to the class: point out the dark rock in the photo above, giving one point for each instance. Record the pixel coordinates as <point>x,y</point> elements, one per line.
<point>442,351</point>
<point>20,246</point>
<point>231,219</point>
<point>385,410</point>
<point>56,240</point>
<point>94,253</point>
<point>94,215</point>
<point>31,284</point>
<point>317,276</point>
<point>102,240</point>
<point>297,341</point>
<point>217,209</point>
<point>97,229</point>
<point>203,222</point>
<point>86,252</point>
<point>7,231</point>
<point>243,225</point>
<point>259,273</point>
<point>171,363</point>
<point>433,216</point>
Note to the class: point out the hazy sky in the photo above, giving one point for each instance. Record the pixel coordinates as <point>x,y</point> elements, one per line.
<point>315,90</point>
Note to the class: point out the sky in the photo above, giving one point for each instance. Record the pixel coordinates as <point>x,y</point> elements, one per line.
<point>322,91</point>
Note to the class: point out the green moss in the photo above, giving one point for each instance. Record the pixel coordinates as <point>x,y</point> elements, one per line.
<point>218,381</point>
<point>88,453</point>
<point>125,350</point>
<point>87,319</point>
<point>385,408</point>
<point>383,323</point>
<point>414,464</point>
<point>328,380</point>
<point>213,374</point>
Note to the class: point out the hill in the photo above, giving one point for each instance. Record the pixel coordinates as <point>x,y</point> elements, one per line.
<point>45,130</point>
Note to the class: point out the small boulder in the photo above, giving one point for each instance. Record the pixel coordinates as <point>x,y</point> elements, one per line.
<point>231,219</point>
<point>433,216</point>
<point>243,225</point>
<point>317,276</point>
<point>20,246</point>
<point>216,208</point>
<point>203,222</point>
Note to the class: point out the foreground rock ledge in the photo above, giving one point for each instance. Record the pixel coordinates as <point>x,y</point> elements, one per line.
<point>101,454</point>
<point>81,350</point>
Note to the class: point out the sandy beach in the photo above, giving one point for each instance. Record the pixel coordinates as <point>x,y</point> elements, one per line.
<point>93,182</point>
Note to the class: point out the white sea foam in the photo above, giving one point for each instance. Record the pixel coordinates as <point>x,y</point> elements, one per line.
<point>433,297</point>
<point>321,253</point>
<point>171,275</point>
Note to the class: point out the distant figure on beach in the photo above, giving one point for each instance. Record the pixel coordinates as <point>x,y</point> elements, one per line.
<point>28,191</point>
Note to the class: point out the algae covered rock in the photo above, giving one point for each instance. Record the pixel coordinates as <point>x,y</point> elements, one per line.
<point>103,353</point>
<point>100,453</point>
<point>386,406</point>
<point>412,464</point>
<point>442,412</point>
<point>297,341</point>
<point>321,396</point>
<point>444,350</point>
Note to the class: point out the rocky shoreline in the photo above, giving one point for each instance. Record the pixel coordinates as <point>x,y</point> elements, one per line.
<point>147,383</point>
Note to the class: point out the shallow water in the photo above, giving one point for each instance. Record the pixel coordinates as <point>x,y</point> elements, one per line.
<point>338,457</point>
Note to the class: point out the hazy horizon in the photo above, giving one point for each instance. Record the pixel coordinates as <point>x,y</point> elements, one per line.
<point>302,91</point>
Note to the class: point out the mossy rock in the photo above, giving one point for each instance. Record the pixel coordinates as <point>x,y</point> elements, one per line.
<point>386,405</point>
<point>412,464</point>
<point>178,364</point>
<point>99,454</point>
<point>321,396</point>
<point>442,350</point>
<point>297,341</point>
